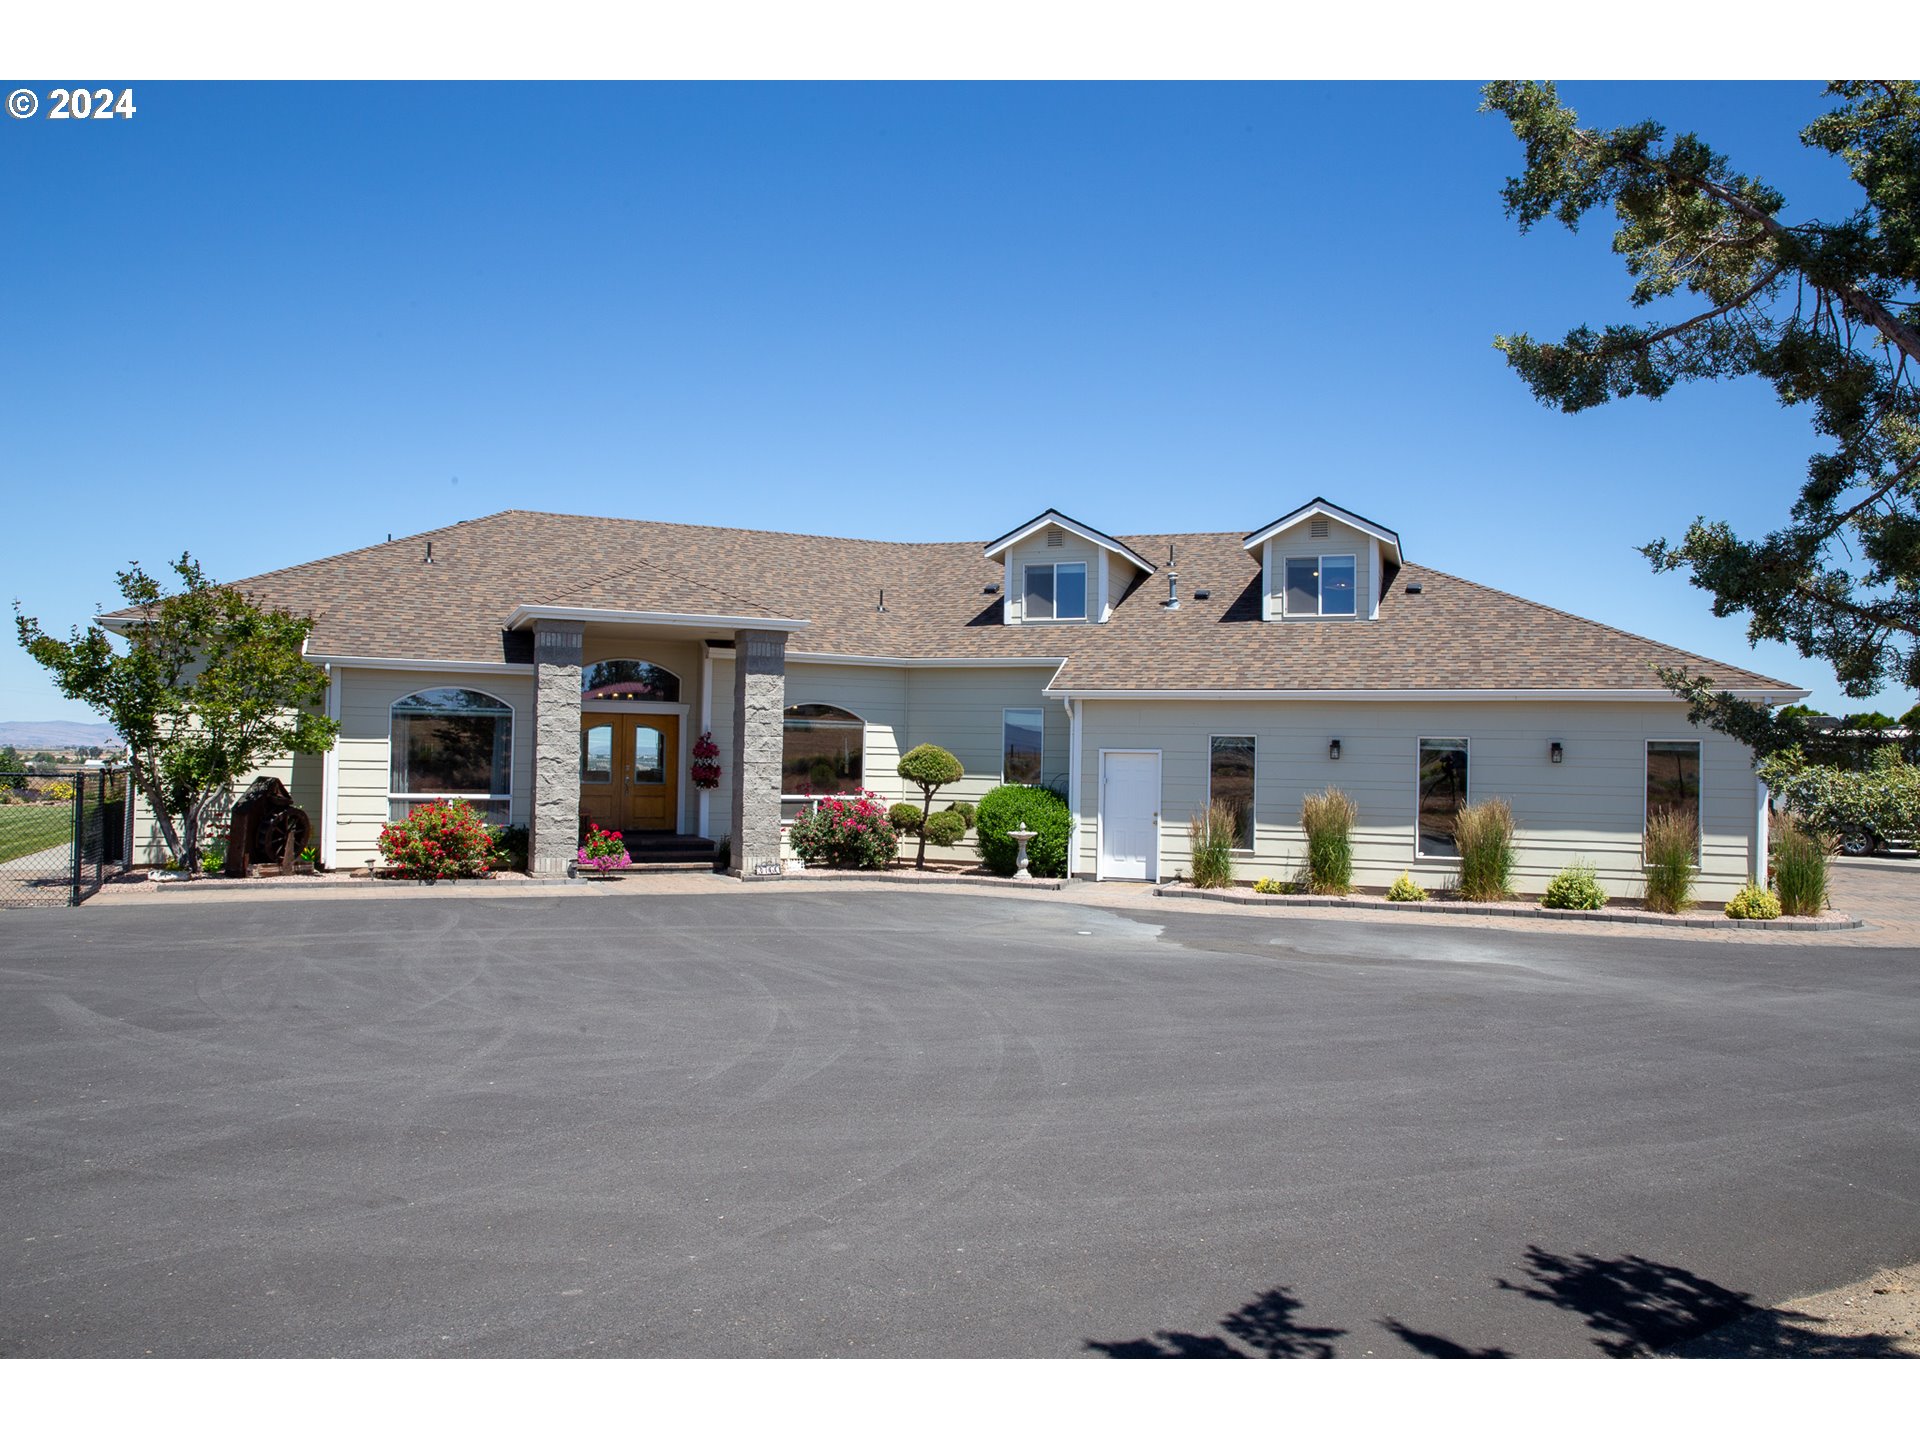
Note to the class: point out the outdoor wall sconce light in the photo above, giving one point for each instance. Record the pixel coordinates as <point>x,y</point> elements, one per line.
<point>1555,753</point>
<point>1333,750</point>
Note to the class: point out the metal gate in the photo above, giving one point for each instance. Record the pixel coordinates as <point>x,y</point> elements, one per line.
<point>61,834</point>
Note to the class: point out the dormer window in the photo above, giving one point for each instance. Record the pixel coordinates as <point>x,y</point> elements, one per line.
<point>1056,592</point>
<point>1321,585</point>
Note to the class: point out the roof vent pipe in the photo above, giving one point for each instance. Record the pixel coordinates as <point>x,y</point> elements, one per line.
<point>429,552</point>
<point>882,606</point>
<point>1173,581</point>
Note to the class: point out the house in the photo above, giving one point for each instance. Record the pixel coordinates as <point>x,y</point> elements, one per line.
<point>554,667</point>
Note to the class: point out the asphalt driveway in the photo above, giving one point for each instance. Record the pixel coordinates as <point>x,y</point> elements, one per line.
<point>779,1123</point>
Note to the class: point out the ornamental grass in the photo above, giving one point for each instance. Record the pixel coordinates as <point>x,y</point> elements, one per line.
<point>1211,834</point>
<point>1671,844</point>
<point>1484,834</point>
<point>1329,818</point>
<point>1799,867</point>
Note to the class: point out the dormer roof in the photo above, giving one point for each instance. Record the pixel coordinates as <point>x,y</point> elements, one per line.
<point>1322,506</point>
<point>1050,518</point>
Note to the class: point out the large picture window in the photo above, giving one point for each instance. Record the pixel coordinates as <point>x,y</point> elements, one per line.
<point>1321,585</point>
<point>450,743</point>
<point>1056,592</point>
<point>616,680</point>
<point>1023,739</point>
<point>823,752</point>
<point>1442,793</point>
<point>1673,781</point>
<point>1230,783</point>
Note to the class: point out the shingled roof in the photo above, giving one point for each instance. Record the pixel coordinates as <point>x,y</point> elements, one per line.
<point>384,601</point>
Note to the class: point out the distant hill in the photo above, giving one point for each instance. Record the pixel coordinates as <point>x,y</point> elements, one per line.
<point>56,734</point>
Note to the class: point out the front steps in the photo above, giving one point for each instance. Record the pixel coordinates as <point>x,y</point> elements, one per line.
<point>662,850</point>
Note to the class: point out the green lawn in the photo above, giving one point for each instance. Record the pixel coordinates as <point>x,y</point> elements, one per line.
<point>25,829</point>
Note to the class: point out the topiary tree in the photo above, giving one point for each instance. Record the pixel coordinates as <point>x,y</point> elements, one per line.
<point>904,818</point>
<point>945,828</point>
<point>931,768</point>
<point>1030,807</point>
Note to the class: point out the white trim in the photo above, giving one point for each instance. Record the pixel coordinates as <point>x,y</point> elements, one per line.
<point>1007,615</point>
<point>330,774</point>
<point>1762,819</point>
<point>1332,512</point>
<point>1320,611</point>
<point>1253,820</point>
<point>1041,711</point>
<point>1266,579</point>
<point>1699,801</point>
<point>1100,812</point>
<point>1420,742</point>
<point>1373,576</point>
<point>971,662</point>
<point>1106,609</point>
<point>1054,518</point>
<point>705,830</point>
<point>1056,566</point>
<point>463,667</point>
<point>667,618</point>
<point>1765,696</point>
<point>1073,785</point>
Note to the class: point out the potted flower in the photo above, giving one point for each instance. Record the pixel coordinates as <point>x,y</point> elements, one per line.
<point>601,853</point>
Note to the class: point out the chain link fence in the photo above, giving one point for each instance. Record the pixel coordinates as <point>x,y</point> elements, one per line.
<point>61,835</point>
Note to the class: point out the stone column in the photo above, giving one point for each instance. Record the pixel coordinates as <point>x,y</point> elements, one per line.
<point>556,745</point>
<point>759,708</point>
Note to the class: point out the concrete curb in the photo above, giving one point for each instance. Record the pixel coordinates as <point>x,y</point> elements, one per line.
<point>886,877</point>
<point>1505,912</point>
<point>289,883</point>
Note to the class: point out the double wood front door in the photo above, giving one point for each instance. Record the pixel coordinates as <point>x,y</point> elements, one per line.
<point>630,771</point>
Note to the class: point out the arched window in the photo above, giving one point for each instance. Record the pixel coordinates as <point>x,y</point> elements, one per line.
<point>450,743</point>
<point>822,752</point>
<point>617,680</point>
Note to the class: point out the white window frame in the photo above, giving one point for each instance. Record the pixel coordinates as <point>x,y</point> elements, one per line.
<point>1253,821</point>
<point>1700,801</point>
<point>1420,743</point>
<point>1038,710</point>
<point>415,797</point>
<point>1319,612</point>
<point>1086,601</point>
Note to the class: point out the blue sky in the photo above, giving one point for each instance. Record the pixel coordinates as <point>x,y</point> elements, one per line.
<point>271,322</point>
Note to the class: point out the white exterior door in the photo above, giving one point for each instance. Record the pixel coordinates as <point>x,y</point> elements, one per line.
<point>1130,815</point>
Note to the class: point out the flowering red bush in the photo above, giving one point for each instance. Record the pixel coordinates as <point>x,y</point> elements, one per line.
<point>437,841</point>
<point>706,762</point>
<point>845,832</point>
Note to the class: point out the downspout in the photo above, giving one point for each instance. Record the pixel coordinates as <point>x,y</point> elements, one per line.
<point>1760,837</point>
<point>330,777</point>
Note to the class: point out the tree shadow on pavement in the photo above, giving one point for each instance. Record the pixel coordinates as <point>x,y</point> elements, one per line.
<point>1638,1306</point>
<point>1264,1329</point>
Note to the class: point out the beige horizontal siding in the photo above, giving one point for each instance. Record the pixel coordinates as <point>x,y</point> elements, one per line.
<point>1589,807</point>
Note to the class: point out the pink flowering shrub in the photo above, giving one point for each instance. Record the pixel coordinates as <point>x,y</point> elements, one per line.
<point>603,850</point>
<point>845,832</point>
<point>440,840</point>
<point>706,762</point>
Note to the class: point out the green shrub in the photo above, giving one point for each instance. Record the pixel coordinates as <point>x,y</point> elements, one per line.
<point>964,809</point>
<point>509,843</point>
<point>1014,807</point>
<point>1881,800</point>
<point>1267,885</point>
<point>1405,889</point>
<point>1575,888</point>
<point>1484,834</point>
<point>1671,844</point>
<point>845,832</point>
<point>723,854</point>
<point>439,840</point>
<point>213,859</point>
<point>1799,867</point>
<point>1210,835</point>
<point>944,827</point>
<point>904,818</point>
<point>1753,903</point>
<point>1328,818</point>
